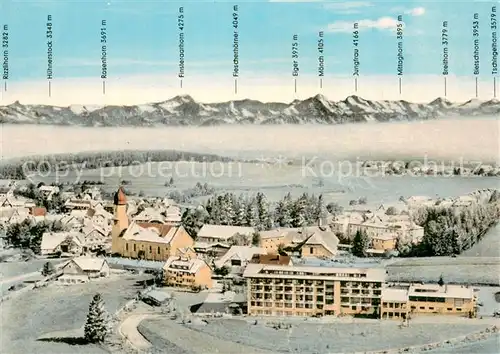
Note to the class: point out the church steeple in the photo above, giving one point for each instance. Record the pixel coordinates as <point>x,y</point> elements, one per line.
<point>120,198</point>
<point>120,221</point>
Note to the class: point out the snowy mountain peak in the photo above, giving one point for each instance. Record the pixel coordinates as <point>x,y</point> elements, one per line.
<point>184,110</point>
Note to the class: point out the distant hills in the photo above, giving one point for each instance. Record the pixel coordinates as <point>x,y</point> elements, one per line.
<point>185,111</point>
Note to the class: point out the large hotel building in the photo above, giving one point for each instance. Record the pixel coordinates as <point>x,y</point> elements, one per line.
<point>279,290</point>
<point>336,289</point>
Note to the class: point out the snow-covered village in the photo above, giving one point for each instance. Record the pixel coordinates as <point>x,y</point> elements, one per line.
<point>88,271</point>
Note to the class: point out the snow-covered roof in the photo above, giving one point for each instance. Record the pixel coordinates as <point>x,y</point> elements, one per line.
<point>340,271</point>
<point>448,291</point>
<point>150,234</point>
<point>50,240</point>
<point>316,235</point>
<point>44,188</point>
<point>393,294</point>
<point>224,232</point>
<point>243,253</point>
<point>276,233</point>
<point>181,264</point>
<point>137,233</point>
<point>89,263</point>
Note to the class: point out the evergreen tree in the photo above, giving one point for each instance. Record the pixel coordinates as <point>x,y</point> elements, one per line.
<point>229,211</point>
<point>250,217</point>
<point>256,239</point>
<point>97,326</point>
<point>441,281</point>
<point>360,244</point>
<point>48,269</point>
<point>279,214</point>
<point>216,212</point>
<point>193,219</point>
<point>320,211</point>
<point>209,209</point>
<point>299,212</point>
<point>239,218</point>
<point>263,217</point>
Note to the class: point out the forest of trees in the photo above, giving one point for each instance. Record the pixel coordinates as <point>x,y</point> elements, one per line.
<point>256,211</point>
<point>449,230</point>
<point>19,168</point>
<point>186,196</point>
<point>28,234</point>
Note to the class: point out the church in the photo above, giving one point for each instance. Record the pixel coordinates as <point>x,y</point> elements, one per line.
<point>149,241</point>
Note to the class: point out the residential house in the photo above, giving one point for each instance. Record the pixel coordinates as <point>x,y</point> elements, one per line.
<point>239,256</point>
<point>61,243</point>
<point>272,239</point>
<point>214,250</point>
<point>315,241</point>
<point>223,233</point>
<point>48,191</point>
<point>383,233</point>
<point>187,272</point>
<point>69,222</point>
<point>173,215</point>
<point>341,222</point>
<point>14,202</point>
<point>6,190</point>
<point>95,237</point>
<point>99,216</point>
<point>93,192</point>
<point>13,215</point>
<point>83,269</point>
<point>84,203</point>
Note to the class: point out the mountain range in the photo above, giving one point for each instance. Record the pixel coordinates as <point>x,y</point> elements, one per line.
<point>184,110</point>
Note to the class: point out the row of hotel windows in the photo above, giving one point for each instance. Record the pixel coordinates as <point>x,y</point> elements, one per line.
<point>279,297</point>
<point>288,305</point>
<point>301,273</point>
<point>270,281</point>
<point>150,248</point>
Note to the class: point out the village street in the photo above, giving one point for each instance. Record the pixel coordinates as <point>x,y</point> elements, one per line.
<point>128,330</point>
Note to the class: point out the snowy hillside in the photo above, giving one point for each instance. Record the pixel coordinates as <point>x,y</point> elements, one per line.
<point>184,110</point>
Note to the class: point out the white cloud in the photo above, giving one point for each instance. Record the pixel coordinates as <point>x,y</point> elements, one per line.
<point>417,11</point>
<point>348,7</point>
<point>382,23</point>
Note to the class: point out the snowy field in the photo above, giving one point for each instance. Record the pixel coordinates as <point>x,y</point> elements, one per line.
<point>321,338</point>
<point>275,180</point>
<point>488,346</point>
<point>489,246</point>
<point>13,269</point>
<point>459,270</point>
<point>59,308</point>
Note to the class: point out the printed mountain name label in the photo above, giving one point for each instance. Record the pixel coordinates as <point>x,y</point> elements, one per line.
<point>5,47</point>
<point>180,25</point>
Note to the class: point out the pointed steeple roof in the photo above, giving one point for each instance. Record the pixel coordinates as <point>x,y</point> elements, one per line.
<point>120,197</point>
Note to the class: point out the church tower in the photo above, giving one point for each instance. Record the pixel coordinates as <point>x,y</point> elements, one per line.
<point>120,220</point>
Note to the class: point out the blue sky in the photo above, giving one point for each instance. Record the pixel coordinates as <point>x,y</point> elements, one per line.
<point>143,37</point>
